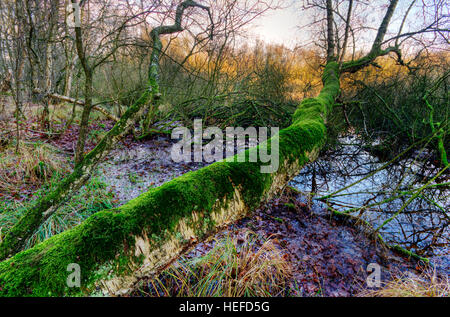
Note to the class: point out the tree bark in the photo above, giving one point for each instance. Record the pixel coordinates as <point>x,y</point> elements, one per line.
<point>330,32</point>
<point>79,103</point>
<point>88,77</point>
<point>84,123</point>
<point>347,31</point>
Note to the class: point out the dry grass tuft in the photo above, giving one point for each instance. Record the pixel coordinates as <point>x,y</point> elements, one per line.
<point>425,285</point>
<point>230,269</point>
<point>33,165</point>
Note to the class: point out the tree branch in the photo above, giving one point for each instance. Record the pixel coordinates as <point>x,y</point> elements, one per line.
<point>78,103</point>
<point>376,51</point>
<point>330,32</point>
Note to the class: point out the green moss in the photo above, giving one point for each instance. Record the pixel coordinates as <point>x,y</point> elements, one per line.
<point>290,205</point>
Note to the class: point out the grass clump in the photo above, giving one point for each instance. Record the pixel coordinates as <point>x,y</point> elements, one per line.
<point>232,268</point>
<point>425,285</point>
<point>35,164</point>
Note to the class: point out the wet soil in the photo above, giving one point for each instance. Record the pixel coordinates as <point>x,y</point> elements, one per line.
<point>134,167</point>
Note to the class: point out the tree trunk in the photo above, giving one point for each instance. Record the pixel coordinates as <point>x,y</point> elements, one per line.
<point>68,78</point>
<point>115,247</point>
<point>46,83</point>
<point>330,32</point>
<point>84,123</point>
<point>79,103</point>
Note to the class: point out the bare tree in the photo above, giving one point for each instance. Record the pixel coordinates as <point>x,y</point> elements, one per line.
<point>13,56</point>
<point>42,26</point>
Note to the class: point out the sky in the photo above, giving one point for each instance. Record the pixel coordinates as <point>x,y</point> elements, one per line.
<point>280,26</point>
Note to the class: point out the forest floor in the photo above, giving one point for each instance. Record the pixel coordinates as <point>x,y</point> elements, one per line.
<point>328,256</point>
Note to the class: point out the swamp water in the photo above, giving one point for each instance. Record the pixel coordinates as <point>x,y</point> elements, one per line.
<point>422,226</point>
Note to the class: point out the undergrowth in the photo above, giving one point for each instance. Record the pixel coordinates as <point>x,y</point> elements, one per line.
<point>93,197</point>
<point>34,164</point>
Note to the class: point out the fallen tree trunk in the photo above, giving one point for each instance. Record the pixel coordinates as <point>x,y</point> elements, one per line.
<point>115,247</point>
<point>79,103</point>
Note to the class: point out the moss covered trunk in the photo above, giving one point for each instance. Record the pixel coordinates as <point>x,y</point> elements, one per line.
<point>115,247</point>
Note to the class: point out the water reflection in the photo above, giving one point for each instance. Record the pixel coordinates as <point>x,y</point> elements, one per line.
<point>422,226</point>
